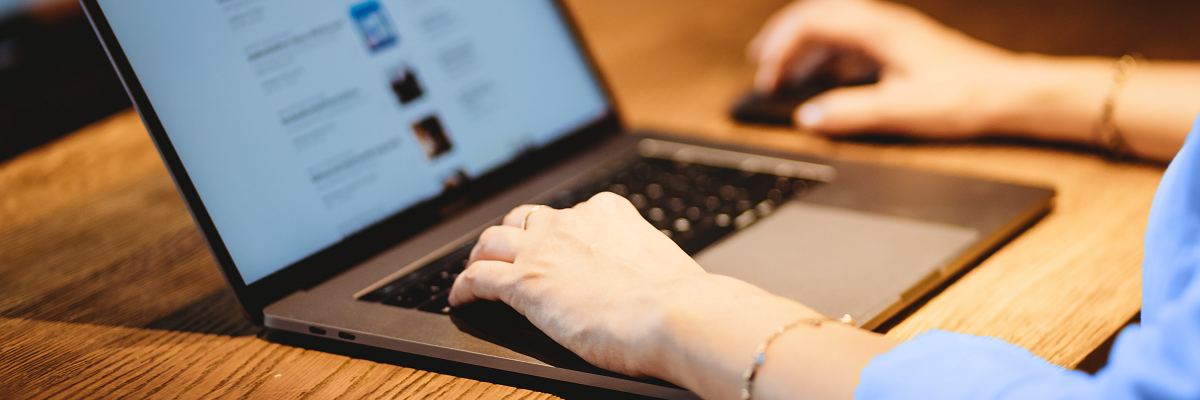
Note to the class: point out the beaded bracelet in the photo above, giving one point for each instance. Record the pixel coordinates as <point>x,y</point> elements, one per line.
<point>760,355</point>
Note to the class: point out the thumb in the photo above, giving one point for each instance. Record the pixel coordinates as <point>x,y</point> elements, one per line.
<point>843,111</point>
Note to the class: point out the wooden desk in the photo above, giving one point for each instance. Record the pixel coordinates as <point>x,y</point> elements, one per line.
<point>107,289</point>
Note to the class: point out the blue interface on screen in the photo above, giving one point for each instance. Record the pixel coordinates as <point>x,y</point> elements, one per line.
<point>302,122</point>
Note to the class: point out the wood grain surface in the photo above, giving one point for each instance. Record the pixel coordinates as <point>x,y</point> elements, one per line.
<point>107,289</point>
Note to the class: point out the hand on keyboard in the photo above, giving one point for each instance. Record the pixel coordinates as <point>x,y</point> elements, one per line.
<point>694,205</point>
<point>597,278</point>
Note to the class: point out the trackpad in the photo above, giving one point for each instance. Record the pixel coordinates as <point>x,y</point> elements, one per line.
<point>836,260</point>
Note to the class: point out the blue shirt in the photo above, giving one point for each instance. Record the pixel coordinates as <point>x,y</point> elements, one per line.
<point>1160,359</point>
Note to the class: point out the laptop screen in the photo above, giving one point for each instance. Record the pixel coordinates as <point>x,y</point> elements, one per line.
<point>301,122</point>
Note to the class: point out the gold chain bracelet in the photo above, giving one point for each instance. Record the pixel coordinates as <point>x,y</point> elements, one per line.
<point>760,355</point>
<point>1108,137</point>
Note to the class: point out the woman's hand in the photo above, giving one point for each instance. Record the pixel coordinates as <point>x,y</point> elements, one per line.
<point>600,280</point>
<point>597,278</point>
<point>935,82</point>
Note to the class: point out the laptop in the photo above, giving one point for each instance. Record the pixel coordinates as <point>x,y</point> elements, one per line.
<point>341,158</point>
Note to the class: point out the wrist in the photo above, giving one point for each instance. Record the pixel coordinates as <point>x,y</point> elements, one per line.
<point>710,329</point>
<point>1050,98</point>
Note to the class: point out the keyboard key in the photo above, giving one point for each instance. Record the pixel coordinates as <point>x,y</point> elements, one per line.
<point>775,195</point>
<point>406,300</point>
<point>655,214</point>
<point>654,191</point>
<point>783,185</point>
<point>712,203</point>
<point>728,192</point>
<point>677,204</point>
<point>439,304</point>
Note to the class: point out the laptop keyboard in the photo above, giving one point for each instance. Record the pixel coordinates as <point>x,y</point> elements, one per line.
<point>695,205</point>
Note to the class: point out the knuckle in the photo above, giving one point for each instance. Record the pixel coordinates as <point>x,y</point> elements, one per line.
<point>471,273</point>
<point>489,236</point>
<point>483,248</point>
<point>609,198</point>
<point>604,196</point>
<point>475,275</point>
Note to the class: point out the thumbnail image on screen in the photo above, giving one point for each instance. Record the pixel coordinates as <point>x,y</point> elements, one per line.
<point>374,24</point>
<point>405,85</point>
<point>432,136</point>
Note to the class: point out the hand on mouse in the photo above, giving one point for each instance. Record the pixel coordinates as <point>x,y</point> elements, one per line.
<point>935,82</point>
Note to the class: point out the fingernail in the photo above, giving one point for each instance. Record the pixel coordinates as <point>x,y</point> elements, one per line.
<point>810,115</point>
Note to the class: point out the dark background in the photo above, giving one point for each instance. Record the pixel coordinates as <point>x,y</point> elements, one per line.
<point>55,77</point>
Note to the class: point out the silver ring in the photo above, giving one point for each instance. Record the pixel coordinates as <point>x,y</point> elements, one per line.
<point>526,220</point>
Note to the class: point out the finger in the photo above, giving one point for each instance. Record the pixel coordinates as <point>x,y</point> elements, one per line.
<point>497,243</point>
<point>482,280</point>
<point>524,214</point>
<point>845,111</point>
<point>869,27</point>
<point>799,69</point>
<point>776,49</point>
<point>754,48</point>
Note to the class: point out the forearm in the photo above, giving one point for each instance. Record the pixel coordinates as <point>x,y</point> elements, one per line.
<point>1049,98</point>
<point>709,337</point>
<point>1061,98</point>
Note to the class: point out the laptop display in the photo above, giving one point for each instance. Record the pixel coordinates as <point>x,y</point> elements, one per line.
<point>300,124</point>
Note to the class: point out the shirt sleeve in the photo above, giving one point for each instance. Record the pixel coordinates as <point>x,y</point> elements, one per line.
<point>1159,359</point>
<point>1148,362</point>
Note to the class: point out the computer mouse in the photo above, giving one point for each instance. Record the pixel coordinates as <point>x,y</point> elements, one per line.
<point>812,75</point>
